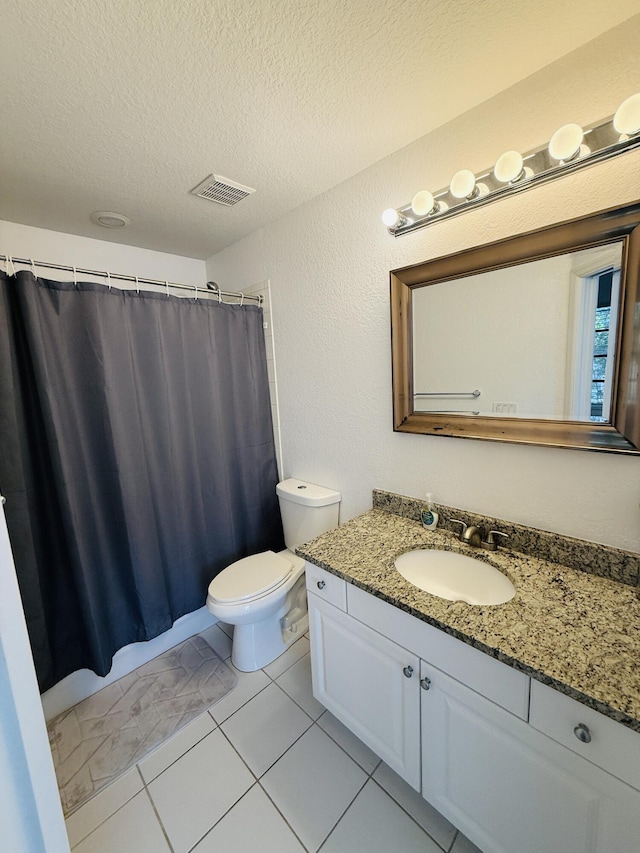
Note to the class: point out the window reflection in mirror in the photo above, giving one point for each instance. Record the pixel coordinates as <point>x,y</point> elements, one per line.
<point>537,340</point>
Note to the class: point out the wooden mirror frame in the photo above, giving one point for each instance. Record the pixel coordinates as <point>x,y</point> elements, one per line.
<point>622,433</point>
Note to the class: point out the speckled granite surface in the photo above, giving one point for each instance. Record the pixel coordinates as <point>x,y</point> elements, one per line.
<point>573,630</point>
<point>602,560</point>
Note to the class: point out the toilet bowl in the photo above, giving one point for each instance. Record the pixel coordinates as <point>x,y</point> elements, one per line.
<point>255,595</point>
<point>264,595</point>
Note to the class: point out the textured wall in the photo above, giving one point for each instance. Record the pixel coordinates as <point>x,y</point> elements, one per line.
<point>328,264</point>
<point>24,241</point>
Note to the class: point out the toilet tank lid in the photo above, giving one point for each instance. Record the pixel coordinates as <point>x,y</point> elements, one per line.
<point>309,494</point>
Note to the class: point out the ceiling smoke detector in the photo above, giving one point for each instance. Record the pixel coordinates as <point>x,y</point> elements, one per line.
<point>221,190</point>
<point>109,219</point>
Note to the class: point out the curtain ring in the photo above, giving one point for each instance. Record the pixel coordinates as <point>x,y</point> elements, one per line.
<point>137,286</point>
<point>241,299</point>
<point>195,298</point>
<point>33,269</point>
<point>13,266</point>
<point>167,286</point>
<point>219,296</point>
<point>108,274</point>
<point>75,277</point>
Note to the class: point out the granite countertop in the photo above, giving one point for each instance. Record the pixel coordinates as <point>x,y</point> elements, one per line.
<point>574,631</point>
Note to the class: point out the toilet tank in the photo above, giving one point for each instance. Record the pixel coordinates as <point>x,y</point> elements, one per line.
<point>307,510</point>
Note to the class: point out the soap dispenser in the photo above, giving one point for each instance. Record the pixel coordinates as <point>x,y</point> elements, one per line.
<point>429,516</point>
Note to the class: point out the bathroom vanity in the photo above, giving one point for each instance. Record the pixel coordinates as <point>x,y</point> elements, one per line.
<point>520,723</point>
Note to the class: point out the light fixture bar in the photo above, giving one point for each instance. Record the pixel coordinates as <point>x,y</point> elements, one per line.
<point>598,142</point>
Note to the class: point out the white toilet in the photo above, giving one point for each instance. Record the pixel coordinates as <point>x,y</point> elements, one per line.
<point>264,595</point>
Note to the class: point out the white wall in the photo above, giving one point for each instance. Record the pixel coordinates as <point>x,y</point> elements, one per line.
<point>30,811</point>
<point>329,261</point>
<point>23,241</point>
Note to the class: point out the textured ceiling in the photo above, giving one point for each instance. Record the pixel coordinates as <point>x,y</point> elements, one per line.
<point>126,106</point>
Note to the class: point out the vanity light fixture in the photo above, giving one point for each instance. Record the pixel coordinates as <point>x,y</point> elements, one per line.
<point>627,118</point>
<point>424,204</point>
<point>392,219</point>
<point>566,143</point>
<point>463,185</point>
<point>570,148</point>
<point>509,167</point>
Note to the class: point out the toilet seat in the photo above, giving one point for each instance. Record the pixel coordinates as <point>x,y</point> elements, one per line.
<point>249,578</point>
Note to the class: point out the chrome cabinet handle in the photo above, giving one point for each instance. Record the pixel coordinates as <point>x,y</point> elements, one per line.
<point>425,683</point>
<point>321,584</point>
<point>407,671</point>
<point>582,733</point>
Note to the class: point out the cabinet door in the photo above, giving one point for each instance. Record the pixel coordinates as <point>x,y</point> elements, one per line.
<point>370,684</point>
<point>511,789</point>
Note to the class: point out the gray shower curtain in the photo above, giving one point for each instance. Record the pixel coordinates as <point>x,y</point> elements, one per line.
<point>136,456</point>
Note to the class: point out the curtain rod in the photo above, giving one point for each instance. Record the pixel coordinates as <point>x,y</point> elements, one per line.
<point>211,288</point>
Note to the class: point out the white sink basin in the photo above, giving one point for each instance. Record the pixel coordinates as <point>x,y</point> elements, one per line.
<point>455,576</point>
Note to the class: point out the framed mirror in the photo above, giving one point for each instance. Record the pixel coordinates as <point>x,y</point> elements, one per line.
<point>533,340</point>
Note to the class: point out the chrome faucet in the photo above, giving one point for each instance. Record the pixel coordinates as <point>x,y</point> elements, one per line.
<point>472,535</point>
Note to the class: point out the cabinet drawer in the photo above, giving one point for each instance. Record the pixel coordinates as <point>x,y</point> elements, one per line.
<point>613,747</point>
<point>498,682</point>
<point>326,586</point>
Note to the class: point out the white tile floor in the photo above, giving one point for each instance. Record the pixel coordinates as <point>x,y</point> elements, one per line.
<point>265,769</point>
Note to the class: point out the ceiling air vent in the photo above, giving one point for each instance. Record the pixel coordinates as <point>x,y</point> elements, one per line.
<point>221,190</point>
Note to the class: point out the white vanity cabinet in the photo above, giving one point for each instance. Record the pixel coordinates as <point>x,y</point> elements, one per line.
<point>454,722</point>
<point>510,788</point>
<point>369,683</point>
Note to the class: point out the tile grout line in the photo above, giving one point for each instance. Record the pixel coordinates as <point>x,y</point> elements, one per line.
<point>259,778</point>
<point>109,816</point>
<point>346,752</point>
<point>409,815</point>
<point>282,815</point>
<point>239,706</point>
<point>297,704</point>
<point>253,774</point>
<point>293,663</point>
<point>232,806</point>
<point>313,723</point>
<point>273,763</point>
<point>352,801</point>
<point>155,811</point>
<point>193,746</point>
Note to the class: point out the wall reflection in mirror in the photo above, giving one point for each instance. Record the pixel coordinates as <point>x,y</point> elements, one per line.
<point>536,340</point>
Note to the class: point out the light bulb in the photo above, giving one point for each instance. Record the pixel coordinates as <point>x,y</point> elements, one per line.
<point>463,184</point>
<point>391,217</point>
<point>423,203</point>
<point>566,141</point>
<point>627,117</point>
<point>509,167</point>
